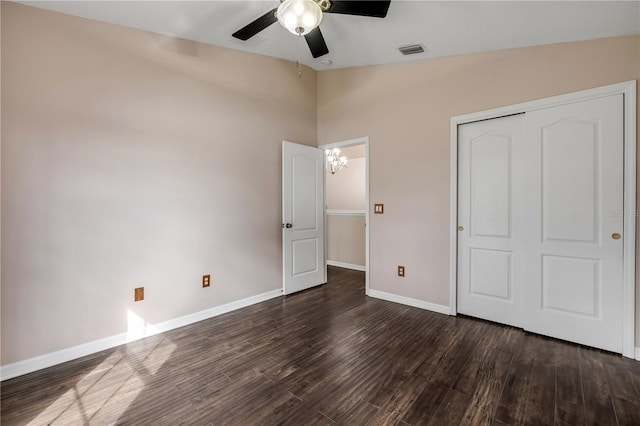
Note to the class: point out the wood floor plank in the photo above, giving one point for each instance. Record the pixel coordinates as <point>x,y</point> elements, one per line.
<point>595,385</point>
<point>620,381</point>
<point>540,408</point>
<point>393,411</point>
<point>404,362</point>
<point>451,410</point>
<point>440,347</point>
<point>279,413</point>
<point>486,396</point>
<point>350,390</point>
<point>362,413</point>
<point>332,355</point>
<point>427,404</point>
<point>627,412</point>
<point>474,370</point>
<point>570,408</point>
<point>458,353</point>
<point>511,409</point>
<point>308,417</point>
<point>633,368</point>
<point>566,354</point>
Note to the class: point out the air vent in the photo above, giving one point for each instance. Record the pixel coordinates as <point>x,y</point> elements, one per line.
<point>411,49</point>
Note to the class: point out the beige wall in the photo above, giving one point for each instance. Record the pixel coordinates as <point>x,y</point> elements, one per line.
<point>132,159</point>
<point>406,109</point>
<point>346,239</point>
<point>345,190</point>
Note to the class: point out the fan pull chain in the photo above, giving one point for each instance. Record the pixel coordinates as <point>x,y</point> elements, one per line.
<point>298,59</point>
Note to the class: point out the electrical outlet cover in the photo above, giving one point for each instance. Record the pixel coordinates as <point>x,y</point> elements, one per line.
<point>138,294</point>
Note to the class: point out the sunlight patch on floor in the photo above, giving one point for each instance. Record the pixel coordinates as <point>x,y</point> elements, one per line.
<point>101,396</point>
<point>104,394</point>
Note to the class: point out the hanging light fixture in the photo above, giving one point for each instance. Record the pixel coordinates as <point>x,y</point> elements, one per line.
<point>335,162</point>
<point>300,17</point>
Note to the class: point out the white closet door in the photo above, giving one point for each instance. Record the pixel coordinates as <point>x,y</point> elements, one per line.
<point>490,219</point>
<point>540,215</point>
<point>574,259</point>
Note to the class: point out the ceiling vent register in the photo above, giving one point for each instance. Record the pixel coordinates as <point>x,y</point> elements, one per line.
<point>411,49</point>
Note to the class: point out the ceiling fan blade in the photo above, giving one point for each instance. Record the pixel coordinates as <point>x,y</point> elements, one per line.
<point>256,26</point>
<point>373,8</point>
<point>316,43</point>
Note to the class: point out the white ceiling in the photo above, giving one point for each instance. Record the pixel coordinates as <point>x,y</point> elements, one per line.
<point>445,28</point>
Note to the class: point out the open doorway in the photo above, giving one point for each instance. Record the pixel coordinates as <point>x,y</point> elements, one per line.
<point>346,208</point>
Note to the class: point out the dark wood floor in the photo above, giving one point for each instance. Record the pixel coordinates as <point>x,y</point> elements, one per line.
<point>331,355</point>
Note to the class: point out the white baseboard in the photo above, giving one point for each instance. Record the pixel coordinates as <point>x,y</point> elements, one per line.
<point>410,302</point>
<point>37,363</point>
<point>346,265</point>
<point>637,354</point>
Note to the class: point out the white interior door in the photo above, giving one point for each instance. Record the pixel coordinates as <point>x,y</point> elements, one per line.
<point>490,226</point>
<point>540,206</point>
<point>302,217</point>
<point>574,287</point>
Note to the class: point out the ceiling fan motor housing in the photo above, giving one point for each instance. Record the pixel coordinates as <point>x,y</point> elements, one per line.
<point>324,4</point>
<point>300,17</point>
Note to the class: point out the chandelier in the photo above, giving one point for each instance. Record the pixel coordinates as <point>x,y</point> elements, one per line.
<point>334,161</point>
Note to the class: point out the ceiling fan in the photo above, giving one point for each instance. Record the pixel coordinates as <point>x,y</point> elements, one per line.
<point>302,17</point>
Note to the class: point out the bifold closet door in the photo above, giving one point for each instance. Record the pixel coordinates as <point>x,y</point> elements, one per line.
<point>573,287</point>
<point>540,216</point>
<point>491,205</point>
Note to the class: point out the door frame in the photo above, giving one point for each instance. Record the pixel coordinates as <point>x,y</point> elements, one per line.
<point>628,90</point>
<point>343,144</point>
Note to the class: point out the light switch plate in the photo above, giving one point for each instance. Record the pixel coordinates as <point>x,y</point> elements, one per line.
<point>378,208</point>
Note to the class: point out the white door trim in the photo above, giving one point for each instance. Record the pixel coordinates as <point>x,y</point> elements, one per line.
<point>343,144</point>
<point>628,89</point>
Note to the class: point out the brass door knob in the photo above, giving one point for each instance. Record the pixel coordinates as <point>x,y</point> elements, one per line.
<point>616,236</point>
<point>460,228</point>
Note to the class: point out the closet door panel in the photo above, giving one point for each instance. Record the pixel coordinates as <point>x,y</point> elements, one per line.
<point>490,200</point>
<point>574,259</point>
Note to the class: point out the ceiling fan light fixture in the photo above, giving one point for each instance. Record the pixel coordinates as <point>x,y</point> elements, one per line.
<point>300,17</point>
